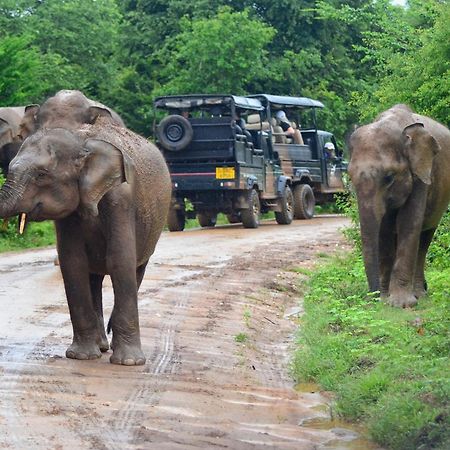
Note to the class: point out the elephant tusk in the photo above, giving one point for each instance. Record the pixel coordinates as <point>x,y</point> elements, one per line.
<point>23,219</point>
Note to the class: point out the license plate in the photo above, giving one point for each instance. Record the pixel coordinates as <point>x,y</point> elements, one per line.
<point>225,173</point>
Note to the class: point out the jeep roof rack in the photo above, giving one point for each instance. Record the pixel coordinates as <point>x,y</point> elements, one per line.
<point>199,100</point>
<point>284,100</point>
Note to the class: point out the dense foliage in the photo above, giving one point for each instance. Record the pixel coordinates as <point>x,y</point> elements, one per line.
<point>357,56</point>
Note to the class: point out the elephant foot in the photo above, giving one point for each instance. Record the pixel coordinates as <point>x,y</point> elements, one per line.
<point>85,350</point>
<point>419,293</point>
<point>127,355</point>
<point>402,300</point>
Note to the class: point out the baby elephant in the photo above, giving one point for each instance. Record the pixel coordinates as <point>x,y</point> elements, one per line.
<point>400,169</point>
<point>108,191</point>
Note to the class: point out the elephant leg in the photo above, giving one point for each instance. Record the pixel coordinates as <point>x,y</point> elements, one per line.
<point>387,250</point>
<point>409,225</point>
<point>121,262</point>
<point>74,269</point>
<point>96,282</point>
<point>420,288</point>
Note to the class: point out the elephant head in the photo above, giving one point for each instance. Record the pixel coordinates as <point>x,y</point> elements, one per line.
<point>389,157</point>
<point>66,109</point>
<point>10,139</point>
<point>59,171</point>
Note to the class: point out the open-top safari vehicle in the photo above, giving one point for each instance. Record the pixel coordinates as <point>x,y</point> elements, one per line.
<point>226,154</point>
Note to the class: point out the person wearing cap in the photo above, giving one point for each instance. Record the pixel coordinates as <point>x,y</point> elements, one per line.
<point>285,124</point>
<point>329,151</point>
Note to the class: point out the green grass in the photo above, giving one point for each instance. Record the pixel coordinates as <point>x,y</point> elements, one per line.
<point>388,367</point>
<point>241,338</point>
<point>37,234</point>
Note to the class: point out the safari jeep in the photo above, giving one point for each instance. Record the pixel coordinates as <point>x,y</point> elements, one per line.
<point>224,156</point>
<point>311,159</point>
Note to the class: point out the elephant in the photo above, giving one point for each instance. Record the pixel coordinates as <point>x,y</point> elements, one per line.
<point>400,170</point>
<point>10,139</point>
<point>108,191</point>
<point>67,109</point>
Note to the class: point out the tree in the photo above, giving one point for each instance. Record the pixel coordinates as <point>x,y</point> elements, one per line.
<point>221,54</point>
<point>77,40</point>
<point>421,76</point>
<point>409,50</point>
<point>20,67</point>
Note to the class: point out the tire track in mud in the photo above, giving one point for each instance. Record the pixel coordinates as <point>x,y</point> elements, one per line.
<point>163,359</point>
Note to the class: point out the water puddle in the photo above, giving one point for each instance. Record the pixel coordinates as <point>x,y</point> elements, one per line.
<point>348,436</point>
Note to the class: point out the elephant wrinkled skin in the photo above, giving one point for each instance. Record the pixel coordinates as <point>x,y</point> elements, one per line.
<point>108,191</point>
<point>400,170</point>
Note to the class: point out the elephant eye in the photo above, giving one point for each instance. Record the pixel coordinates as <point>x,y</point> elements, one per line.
<point>388,179</point>
<point>41,175</point>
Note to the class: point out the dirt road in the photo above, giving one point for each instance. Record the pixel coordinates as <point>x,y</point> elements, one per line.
<point>200,387</point>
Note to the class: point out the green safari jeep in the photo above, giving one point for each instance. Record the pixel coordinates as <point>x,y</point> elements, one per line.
<point>224,156</point>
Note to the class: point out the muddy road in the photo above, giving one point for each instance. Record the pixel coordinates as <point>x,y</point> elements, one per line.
<point>200,387</point>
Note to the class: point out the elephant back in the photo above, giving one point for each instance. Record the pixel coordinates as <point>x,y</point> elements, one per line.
<point>152,185</point>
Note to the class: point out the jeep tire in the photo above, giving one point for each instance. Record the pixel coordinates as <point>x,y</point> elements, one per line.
<point>207,219</point>
<point>304,202</point>
<point>175,220</point>
<point>174,133</point>
<point>250,215</point>
<point>234,217</point>
<point>286,215</point>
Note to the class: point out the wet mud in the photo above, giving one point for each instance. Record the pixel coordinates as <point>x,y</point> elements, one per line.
<point>218,309</point>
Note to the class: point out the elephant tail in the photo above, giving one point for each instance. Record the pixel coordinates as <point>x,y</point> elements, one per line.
<point>109,326</point>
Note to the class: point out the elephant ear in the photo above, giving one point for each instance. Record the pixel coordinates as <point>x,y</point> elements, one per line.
<point>29,124</point>
<point>104,167</point>
<point>6,134</point>
<point>98,111</point>
<point>420,149</point>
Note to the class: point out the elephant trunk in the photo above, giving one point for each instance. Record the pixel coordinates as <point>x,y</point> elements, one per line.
<point>10,195</point>
<point>370,232</point>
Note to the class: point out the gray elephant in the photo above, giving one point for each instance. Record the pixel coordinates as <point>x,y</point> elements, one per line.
<point>10,139</point>
<point>108,191</point>
<point>400,170</point>
<point>66,109</point>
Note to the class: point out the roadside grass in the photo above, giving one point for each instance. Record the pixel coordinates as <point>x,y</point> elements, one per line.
<point>37,234</point>
<point>388,367</point>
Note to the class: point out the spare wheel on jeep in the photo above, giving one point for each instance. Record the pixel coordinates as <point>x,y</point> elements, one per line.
<point>174,133</point>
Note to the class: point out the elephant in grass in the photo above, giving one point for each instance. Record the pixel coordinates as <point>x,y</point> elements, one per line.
<point>10,138</point>
<point>108,191</point>
<point>400,170</point>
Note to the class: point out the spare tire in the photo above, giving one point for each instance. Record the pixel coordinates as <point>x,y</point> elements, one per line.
<point>174,133</point>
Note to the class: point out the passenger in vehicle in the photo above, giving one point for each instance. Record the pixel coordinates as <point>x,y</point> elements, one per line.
<point>240,126</point>
<point>185,113</point>
<point>284,123</point>
<point>329,151</point>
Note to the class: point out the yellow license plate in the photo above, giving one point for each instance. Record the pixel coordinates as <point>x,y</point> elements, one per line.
<point>225,173</point>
